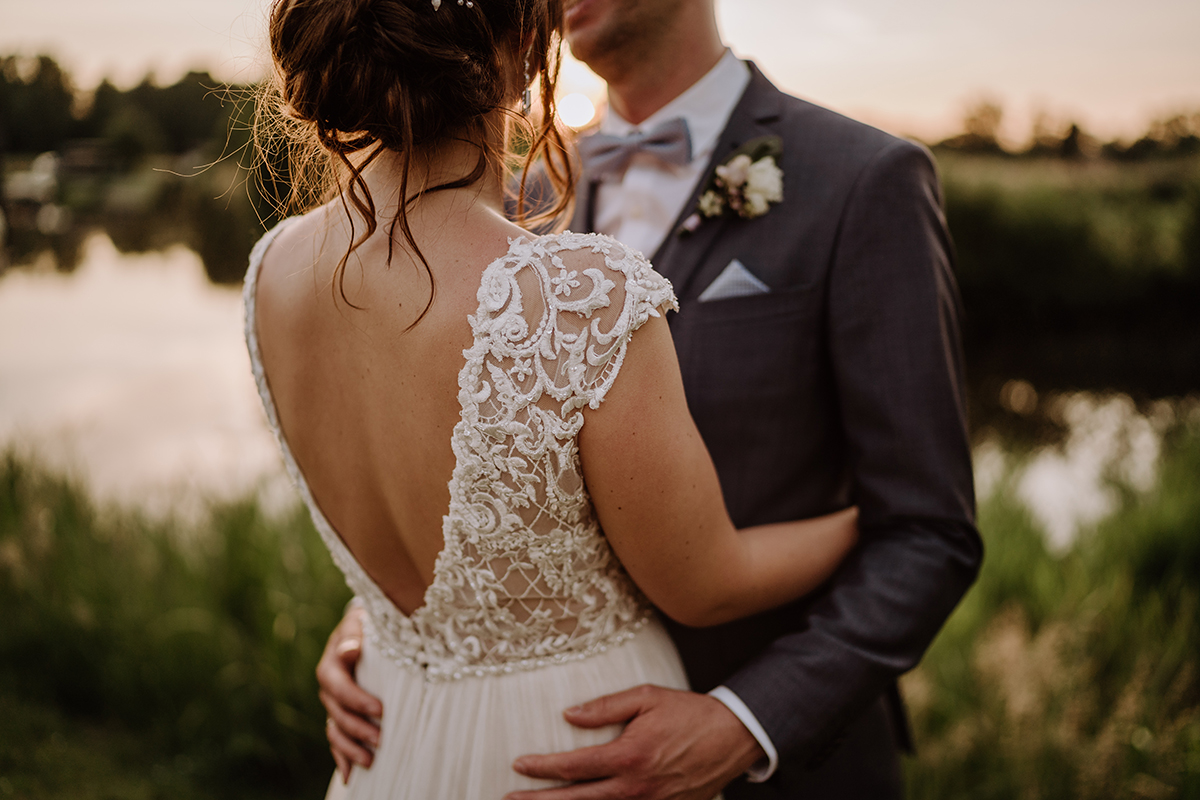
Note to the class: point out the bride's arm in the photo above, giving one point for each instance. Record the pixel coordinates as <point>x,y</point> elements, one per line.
<point>659,501</point>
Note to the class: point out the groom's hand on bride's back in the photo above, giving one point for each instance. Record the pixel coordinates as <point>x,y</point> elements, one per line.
<point>350,727</point>
<point>675,745</point>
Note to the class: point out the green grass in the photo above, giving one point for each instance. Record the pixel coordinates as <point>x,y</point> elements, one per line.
<point>45,754</point>
<point>200,641</point>
<point>146,659</point>
<point>1076,275</point>
<point>1072,676</point>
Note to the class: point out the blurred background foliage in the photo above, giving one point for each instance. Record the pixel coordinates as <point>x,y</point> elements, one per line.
<point>170,659</point>
<point>1077,275</point>
<point>1072,675</point>
<point>150,166</point>
<point>174,658</point>
<point>194,643</point>
<point>1077,258</point>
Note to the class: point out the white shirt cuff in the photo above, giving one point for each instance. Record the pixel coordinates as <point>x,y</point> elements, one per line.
<point>765,768</point>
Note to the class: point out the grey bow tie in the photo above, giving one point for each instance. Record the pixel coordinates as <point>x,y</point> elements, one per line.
<point>604,154</point>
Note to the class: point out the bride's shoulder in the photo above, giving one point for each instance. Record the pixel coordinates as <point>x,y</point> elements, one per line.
<point>282,241</point>
<point>586,277</point>
<point>597,247</point>
<point>618,262</point>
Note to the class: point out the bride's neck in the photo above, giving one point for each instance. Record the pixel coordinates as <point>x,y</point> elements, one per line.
<point>430,169</point>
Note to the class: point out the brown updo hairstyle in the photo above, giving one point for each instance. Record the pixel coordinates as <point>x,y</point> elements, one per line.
<point>401,75</point>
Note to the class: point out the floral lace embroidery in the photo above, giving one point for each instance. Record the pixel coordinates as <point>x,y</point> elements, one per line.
<point>525,577</point>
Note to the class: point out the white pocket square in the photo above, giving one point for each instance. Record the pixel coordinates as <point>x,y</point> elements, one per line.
<point>734,281</point>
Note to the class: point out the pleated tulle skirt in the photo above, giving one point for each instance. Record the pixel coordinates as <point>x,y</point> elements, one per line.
<point>457,740</point>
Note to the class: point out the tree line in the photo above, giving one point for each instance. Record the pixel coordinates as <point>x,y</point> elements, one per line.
<point>1081,276</point>
<point>1171,136</point>
<point>41,109</point>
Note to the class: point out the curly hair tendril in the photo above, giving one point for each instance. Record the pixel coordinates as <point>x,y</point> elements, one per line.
<point>365,76</point>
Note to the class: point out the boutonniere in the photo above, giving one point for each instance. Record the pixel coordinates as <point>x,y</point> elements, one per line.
<point>745,184</point>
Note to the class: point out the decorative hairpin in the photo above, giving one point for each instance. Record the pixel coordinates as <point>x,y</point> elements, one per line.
<point>468,3</point>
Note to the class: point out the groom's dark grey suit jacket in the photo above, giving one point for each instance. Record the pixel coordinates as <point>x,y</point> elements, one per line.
<point>843,385</point>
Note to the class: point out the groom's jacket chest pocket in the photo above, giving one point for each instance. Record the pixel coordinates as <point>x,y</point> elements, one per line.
<point>751,344</point>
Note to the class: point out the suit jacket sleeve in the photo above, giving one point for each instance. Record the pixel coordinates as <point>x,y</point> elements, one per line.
<point>894,346</point>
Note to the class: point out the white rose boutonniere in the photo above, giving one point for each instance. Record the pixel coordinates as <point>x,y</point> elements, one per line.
<point>744,185</point>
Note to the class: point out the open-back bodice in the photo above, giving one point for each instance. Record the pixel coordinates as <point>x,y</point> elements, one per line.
<point>525,576</point>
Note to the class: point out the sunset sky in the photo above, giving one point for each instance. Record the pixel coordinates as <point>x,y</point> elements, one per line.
<point>910,67</point>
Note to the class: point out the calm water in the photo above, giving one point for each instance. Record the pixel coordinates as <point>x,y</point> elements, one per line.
<point>131,373</point>
<point>1073,483</point>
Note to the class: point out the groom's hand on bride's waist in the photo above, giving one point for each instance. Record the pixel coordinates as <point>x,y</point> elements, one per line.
<point>675,745</point>
<point>350,727</point>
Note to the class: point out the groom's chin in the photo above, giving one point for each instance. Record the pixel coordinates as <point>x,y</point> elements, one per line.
<point>579,15</point>
<point>587,24</point>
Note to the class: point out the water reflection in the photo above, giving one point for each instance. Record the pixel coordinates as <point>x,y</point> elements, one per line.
<point>56,203</point>
<point>1109,446</point>
<point>133,374</point>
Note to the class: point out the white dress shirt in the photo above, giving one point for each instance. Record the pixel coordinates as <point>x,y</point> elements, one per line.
<point>639,209</point>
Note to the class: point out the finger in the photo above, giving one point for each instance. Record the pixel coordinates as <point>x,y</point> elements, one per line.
<point>338,682</point>
<point>351,623</point>
<point>349,748</point>
<point>354,726</point>
<point>600,790</point>
<point>343,765</point>
<point>348,650</point>
<point>613,708</point>
<point>584,764</point>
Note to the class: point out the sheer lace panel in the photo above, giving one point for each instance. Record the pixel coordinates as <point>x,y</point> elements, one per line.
<point>526,576</point>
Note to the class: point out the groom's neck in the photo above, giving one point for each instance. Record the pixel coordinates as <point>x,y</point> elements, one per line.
<point>643,79</point>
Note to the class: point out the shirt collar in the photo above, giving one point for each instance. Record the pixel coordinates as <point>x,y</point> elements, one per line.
<point>706,105</point>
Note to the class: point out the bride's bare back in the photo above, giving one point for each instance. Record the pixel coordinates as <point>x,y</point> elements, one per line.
<point>366,404</point>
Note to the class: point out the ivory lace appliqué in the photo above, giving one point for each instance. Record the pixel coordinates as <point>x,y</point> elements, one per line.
<point>526,577</point>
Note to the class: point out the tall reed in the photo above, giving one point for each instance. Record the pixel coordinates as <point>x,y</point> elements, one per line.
<point>1072,676</point>
<point>200,638</point>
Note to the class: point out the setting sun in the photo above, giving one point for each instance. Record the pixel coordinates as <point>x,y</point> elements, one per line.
<point>576,110</point>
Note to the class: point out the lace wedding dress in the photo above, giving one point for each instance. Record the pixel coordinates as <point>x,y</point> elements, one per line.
<point>529,611</point>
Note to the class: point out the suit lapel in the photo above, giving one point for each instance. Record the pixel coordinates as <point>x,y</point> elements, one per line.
<point>681,254</point>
